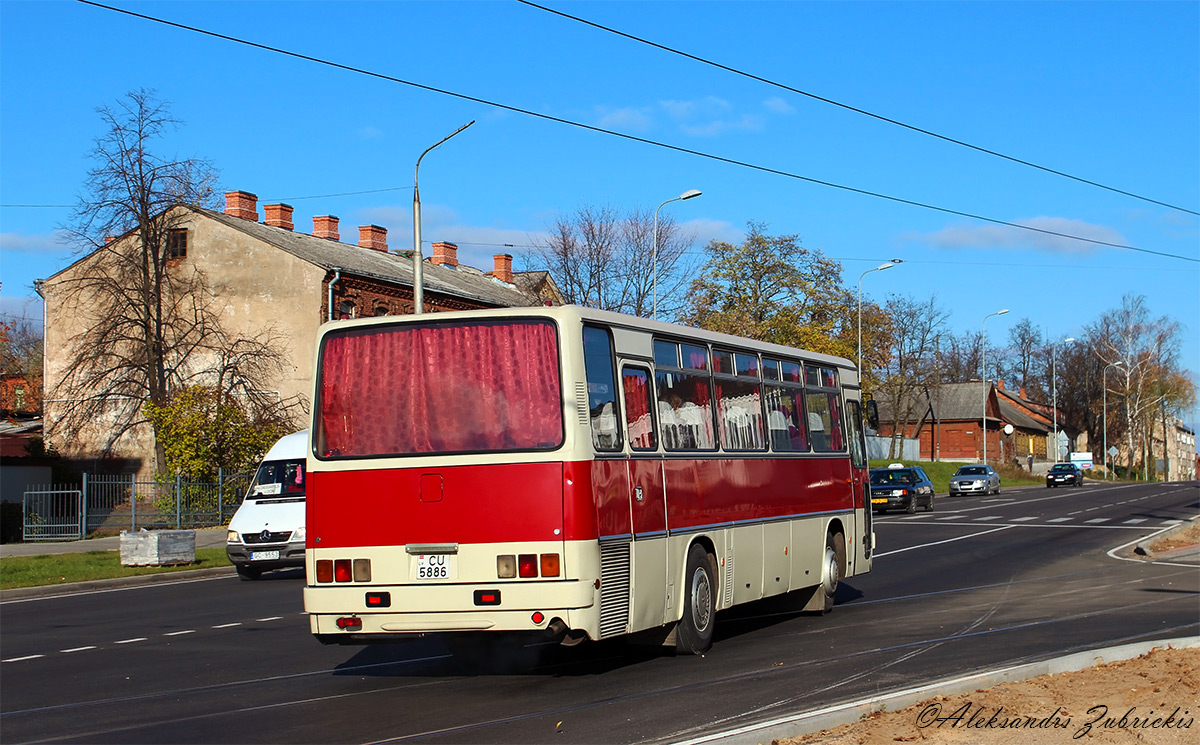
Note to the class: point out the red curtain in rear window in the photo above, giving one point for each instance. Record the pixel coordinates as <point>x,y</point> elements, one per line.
<point>440,389</point>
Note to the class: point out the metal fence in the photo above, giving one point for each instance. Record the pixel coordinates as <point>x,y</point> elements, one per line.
<point>878,448</point>
<point>103,505</point>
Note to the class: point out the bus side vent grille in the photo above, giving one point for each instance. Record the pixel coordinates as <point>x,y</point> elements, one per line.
<point>614,589</point>
<point>728,599</point>
<point>581,403</point>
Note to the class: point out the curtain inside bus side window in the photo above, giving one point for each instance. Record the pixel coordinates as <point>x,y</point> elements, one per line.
<point>739,410</point>
<point>685,411</point>
<point>602,389</point>
<point>636,385</point>
<point>837,439</point>
<point>819,423</point>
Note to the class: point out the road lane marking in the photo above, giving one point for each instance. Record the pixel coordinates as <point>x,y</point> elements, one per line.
<point>272,618</point>
<point>131,641</point>
<point>76,649</point>
<point>227,625</point>
<point>989,517</point>
<point>180,633</point>
<point>1023,519</point>
<point>1059,520</point>
<point>1135,520</point>
<point>1097,520</point>
<point>22,659</point>
<point>938,543</point>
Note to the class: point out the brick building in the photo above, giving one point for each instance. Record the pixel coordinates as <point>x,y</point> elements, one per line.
<point>268,274</point>
<point>948,421</point>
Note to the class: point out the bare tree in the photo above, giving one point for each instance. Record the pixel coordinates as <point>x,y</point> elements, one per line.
<point>151,323</point>
<point>1024,340</point>
<point>916,330</point>
<point>602,259</point>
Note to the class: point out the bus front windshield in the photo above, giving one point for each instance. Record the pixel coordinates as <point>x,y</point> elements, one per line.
<point>411,389</point>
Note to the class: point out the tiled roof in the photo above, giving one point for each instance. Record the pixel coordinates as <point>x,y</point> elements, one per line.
<point>961,401</point>
<point>461,281</point>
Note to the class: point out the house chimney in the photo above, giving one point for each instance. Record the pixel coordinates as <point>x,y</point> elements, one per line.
<point>372,236</point>
<point>1000,384</point>
<point>242,204</point>
<point>503,267</point>
<point>325,226</point>
<point>445,253</point>
<point>278,215</point>
<point>1023,394</point>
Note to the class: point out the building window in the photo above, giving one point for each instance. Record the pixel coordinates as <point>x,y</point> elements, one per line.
<point>346,310</point>
<point>177,240</point>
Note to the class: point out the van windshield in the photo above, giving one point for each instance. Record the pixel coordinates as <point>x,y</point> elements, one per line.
<point>278,478</point>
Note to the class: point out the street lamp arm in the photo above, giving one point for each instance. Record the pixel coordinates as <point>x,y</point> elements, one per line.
<point>418,260</point>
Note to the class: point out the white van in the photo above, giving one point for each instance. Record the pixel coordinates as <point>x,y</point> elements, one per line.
<point>267,531</point>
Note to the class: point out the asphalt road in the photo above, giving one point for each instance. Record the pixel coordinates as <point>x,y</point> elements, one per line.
<point>982,582</point>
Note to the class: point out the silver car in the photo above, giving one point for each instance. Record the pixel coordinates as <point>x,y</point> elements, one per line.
<point>975,479</point>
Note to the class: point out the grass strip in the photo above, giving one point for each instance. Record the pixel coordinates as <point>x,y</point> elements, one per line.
<point>60,569</point>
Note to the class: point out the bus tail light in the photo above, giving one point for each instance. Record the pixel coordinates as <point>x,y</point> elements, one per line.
<point>506,566</point>
<point>537,618</point>
<point>527,565</point>
<point>341,570</point>
<point>325,570</point>
<point>349,623</point>
<point>550,565</point>
<point>362,570</point>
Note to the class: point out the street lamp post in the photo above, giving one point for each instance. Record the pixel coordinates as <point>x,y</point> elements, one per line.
<point>879,268</point>
<point>983,362</point>
<point>689,194</point>
<point>1054,387</point>
<point>418,283</point>
<point>1104,383</point>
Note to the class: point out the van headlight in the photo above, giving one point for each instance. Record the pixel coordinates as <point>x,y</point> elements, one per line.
<point>232,537</point>
<point>298,534</point>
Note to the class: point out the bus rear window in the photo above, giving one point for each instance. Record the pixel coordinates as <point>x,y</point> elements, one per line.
<point>439,388</point>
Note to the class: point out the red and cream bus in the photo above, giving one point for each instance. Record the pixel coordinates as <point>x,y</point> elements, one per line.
<point>578,473</point>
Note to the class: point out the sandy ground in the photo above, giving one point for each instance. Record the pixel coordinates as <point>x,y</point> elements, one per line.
<point>1151,699</point>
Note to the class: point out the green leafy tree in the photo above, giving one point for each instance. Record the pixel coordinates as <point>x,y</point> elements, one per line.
<point>203,431</point>
<point>772,289</point>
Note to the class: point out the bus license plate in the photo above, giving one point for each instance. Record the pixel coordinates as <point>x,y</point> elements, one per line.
<point>434,567</point>
<point>264,555</point>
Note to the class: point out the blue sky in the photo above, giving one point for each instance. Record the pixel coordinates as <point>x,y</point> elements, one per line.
<point>1107,91</point>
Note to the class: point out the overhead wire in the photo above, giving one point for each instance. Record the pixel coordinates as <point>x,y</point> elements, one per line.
<point>632,138</point>
<point>855,109</point>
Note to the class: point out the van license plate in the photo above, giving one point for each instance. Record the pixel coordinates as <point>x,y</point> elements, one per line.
<point>264,555</point>
<point>434,567</point>
<point>878,501</point>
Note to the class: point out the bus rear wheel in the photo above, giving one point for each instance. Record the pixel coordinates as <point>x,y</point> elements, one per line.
<point>695,631</point>
<point>831,568</point>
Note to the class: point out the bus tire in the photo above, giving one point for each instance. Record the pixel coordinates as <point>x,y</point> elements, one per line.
<point>694,633</point>
<point>831,568</point>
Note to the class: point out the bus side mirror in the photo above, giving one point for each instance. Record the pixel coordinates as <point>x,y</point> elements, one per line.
<point>872,415</point>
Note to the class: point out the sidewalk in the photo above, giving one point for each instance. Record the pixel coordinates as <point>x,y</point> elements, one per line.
<point>205,538</point>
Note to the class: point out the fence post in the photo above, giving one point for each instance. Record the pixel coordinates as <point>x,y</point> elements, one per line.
<point>220,495</point>
<point>83,511</point>
<point>133,501</point>
<point>178,502</point>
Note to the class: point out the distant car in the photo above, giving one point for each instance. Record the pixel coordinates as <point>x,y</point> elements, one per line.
<point>1062,474</point>
<point>975,479</point>
<point>900,487</point>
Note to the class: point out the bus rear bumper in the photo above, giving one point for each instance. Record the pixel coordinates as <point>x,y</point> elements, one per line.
<point>416,610</point>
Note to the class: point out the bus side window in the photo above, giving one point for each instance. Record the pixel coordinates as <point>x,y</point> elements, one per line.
<point>640,422</point>
<point>602,388</point>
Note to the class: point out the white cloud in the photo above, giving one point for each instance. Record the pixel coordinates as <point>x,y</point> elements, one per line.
<point>745,123</point>
<point>626,119</point>
<point>777,105</point>
<point>1003,236</point>
<point>54,243</point>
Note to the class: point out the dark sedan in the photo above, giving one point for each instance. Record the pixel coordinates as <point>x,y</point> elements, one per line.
<point>900,487</point>
<point>1064,474</point>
